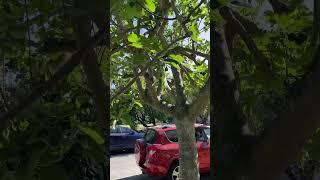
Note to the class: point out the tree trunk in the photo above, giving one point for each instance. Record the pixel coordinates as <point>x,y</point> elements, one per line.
<point>226,111</point>
<point>100,91</point>
<point>188,157</point>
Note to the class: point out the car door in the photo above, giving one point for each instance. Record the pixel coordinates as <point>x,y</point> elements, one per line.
<point>122,137</point>
<point>128,137</point>
<point>115,139</point>
<point>203,148</point>
<point>206,148</point>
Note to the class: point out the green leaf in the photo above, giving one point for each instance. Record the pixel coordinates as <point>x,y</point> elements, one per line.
<point>178,58</point>
<point>24,124</point>
<point>175,65</point>
<point>137,45</point>
<point>152,44</point>
<point>130,11</point>
<point>151,6</point>
<point>115,5</point>
<point>127,119</point>
<point>201,68</point>
<point>133,38</point>
<point>194,32</point>
<point>138,103</point>
<point>92,133</point>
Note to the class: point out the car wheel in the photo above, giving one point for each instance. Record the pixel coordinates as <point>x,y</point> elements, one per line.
<point>174,172</point>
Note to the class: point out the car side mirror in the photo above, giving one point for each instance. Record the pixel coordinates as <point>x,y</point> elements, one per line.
<point>132,133</point>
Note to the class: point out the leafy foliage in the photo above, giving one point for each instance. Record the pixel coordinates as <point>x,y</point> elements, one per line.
<point>37,37</point>
<point>150,28</point>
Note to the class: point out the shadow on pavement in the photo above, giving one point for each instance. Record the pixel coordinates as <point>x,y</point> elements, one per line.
<point>140,177</point>
<point>121,153</point>
<point>145,177</point>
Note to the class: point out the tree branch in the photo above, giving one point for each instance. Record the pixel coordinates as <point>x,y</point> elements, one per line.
<point>200,103</point>
<point>143,70</point>
<point>228,14</point>
<point>184,50</point>
<point>58,76</point>
<point>139,84</point>
<point>187,72</point>
<point>133,80</point>
<point>230,35</point>
<point>145,97</point>
<point>174,18</point>
<point>179,17</point>
<point>150,89</point>
<point>91,67</point>
<point>279,7</point>
<point>160,86</point>
<point>284,141</point>
<point>194,56</point>
<point>250,26</point>
<point>180,94</point>
<point>193,10</point>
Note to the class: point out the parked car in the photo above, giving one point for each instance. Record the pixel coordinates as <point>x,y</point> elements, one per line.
<point>157,153</point>
<point>123,138</point>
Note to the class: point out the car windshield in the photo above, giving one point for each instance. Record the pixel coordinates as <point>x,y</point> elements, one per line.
<point>125,130</point>
<point>114,130</point>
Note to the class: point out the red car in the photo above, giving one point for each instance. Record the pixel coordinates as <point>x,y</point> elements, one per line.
<point>157,154</point>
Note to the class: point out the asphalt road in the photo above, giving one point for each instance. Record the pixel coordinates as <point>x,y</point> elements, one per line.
<point>123,167</point>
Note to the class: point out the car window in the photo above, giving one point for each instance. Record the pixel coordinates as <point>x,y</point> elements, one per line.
<point>172,135</point>
<point>200,136</point>
<point>207,132</point>
<point>114,130</point>
<point>150,136</point>
<point>125,130</point>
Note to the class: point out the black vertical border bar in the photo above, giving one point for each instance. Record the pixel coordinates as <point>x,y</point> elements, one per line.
<point>107,134</point>
<point>212,4</point>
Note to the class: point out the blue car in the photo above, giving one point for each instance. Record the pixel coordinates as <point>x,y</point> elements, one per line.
<point>123,138</point>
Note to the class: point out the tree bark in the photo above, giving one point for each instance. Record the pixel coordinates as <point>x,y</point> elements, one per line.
<point>226,111</point>
<point>188,155</point>
<point>95,80</point>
